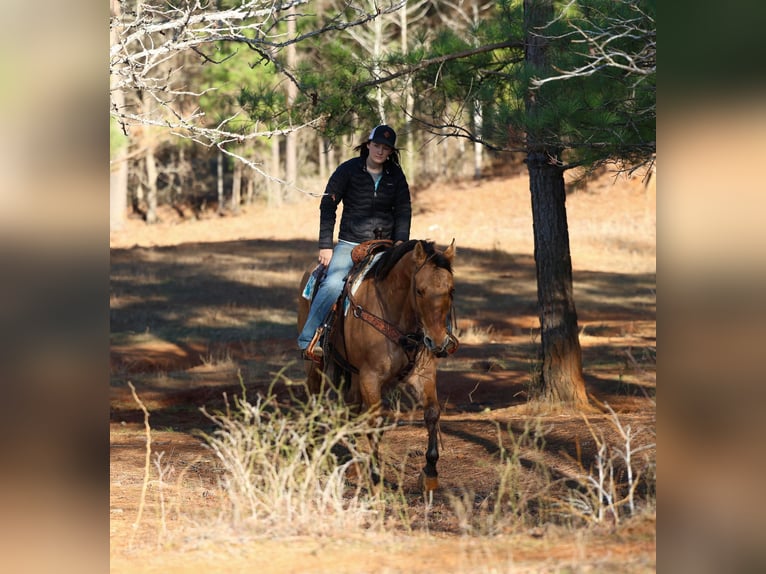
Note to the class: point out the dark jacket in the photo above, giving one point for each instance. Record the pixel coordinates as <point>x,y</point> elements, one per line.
<point>365,209</point>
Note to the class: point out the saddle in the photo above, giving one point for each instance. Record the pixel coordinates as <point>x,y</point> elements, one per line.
<point>361,256</point>
<point>368,249</point>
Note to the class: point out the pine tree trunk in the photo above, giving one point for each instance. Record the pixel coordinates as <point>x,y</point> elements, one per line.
<point>561,378</point>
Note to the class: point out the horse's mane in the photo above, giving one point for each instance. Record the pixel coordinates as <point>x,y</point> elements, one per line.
<point>388,260</point>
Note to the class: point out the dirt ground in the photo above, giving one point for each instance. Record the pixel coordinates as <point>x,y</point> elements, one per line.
<point>197,304</point>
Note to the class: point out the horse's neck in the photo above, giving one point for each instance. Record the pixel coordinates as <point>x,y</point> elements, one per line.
<point>395,292</point>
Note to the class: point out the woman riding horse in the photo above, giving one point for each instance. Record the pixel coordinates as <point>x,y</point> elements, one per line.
<point>376,205</point>
<point>398,321</point>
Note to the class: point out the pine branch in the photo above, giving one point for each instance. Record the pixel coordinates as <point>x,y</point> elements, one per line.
<point>441,60</point>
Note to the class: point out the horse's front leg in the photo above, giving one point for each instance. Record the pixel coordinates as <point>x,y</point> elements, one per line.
<point>430,477</point>
<point>423,380</point>
<point>375,436</point>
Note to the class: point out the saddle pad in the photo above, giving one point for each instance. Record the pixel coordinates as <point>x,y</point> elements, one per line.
<point>317,274</point>
<point>359,278</point>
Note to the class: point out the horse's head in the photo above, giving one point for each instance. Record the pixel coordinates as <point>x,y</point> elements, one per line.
<point>432,290</point>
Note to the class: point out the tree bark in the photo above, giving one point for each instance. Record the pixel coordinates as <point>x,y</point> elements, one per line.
<point>560,376</point>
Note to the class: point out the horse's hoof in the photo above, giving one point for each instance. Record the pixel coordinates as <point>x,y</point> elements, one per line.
<point>428,483</point>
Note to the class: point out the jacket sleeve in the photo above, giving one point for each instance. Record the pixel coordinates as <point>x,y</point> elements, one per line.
<point>402,211</point>
<point>328,207</point>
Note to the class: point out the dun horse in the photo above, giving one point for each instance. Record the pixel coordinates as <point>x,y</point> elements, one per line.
<point>397,321</point>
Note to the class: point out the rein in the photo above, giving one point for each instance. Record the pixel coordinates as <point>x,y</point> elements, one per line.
<point>407,340</point>
<point>410,342</point>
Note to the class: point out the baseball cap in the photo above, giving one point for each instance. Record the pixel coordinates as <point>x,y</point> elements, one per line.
<point>383,135</point>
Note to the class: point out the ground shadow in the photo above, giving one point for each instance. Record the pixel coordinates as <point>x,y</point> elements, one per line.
<point>232,305</point>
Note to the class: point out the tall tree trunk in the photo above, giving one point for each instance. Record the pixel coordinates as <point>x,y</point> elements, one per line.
<point>118,190</point>
<point>139,199</point>
<point>236,187</point>
<point>275,188</point>
<point>561,377</point>
<point>150,163</point>
<point>322,158</point>
<point>151,185</point>
<point>219,179</point>
<point>377,54</point>
<point>250,188</point>
<point>291,149</point>
<point>478,148</point>
<point>118,173</point>
<point>408,161</point>
<point>478,112</point>
<point>331,162</point>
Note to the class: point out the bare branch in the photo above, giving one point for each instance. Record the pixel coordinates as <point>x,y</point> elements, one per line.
<point>152,40</point>
<point>441,60</point>
<point>257,168</point>
<point>601,44</point>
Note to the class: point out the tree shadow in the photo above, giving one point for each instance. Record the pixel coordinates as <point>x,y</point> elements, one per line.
<point>234,304</point>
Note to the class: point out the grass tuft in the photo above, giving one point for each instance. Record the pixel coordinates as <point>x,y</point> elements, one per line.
<point>297,469</point>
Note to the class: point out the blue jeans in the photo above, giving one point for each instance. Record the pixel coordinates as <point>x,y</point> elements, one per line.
<point>328,292</point>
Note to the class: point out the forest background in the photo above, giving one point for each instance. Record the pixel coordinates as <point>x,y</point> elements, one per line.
<point>55,222</point>
<point>559,86</point>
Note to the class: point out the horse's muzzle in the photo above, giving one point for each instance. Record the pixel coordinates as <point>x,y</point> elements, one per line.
<point>448,347</point>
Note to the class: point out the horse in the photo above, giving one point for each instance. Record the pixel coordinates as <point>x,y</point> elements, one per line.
<point>390,329</point>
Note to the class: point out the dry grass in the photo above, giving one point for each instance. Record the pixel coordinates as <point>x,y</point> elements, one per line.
<point>302,469</point>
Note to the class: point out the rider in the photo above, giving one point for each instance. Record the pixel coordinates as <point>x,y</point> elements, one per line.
<point>376,205</point>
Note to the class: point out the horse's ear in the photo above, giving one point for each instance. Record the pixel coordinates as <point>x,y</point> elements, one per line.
<point>419,254</point>
<point>449,253</point>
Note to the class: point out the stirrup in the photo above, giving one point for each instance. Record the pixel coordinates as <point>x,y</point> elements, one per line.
<point>314,351</point>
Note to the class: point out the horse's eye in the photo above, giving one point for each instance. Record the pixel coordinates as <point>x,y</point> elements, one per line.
<point>421,292</point>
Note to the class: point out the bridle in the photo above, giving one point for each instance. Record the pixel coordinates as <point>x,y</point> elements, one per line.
<point>411,343</point>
